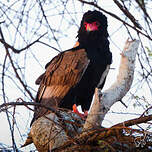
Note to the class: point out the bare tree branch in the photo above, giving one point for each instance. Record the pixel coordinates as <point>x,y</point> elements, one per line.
<point>13,66</point>
<point>128,14</point>
<point>19,51</point>
<point>103,101</point>
<point>116,17</point>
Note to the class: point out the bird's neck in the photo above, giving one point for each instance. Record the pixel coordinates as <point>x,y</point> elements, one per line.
<point>95,47</point>
<point>91,43</point>
<point>91,40</point>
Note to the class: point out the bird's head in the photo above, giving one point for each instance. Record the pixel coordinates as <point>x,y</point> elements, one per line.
<point>93,24</point>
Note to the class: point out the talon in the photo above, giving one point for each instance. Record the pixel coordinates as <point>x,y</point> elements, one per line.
<point>75,110</point>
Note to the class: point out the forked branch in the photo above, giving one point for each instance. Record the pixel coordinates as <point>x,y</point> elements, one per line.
<point>104,101</point>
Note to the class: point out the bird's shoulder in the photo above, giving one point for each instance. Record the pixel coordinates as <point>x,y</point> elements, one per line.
<point>66,66</point>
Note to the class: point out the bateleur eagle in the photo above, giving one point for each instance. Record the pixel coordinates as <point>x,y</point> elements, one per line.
<point>72,76</point>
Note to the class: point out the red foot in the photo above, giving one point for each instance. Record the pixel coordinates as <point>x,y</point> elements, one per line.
<point>75,110</point>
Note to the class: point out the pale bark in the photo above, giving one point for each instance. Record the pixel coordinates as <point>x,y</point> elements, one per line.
<point>52,131</point>
<point>103,101</point>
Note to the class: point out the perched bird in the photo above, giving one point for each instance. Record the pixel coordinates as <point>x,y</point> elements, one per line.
<point>71,77</point>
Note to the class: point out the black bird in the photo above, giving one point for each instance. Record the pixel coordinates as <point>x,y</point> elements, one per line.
<point>72,76</point>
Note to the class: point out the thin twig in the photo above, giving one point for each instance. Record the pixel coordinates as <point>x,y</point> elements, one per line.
<point>116,17</point>
<point>5,106</point>
<point>14,68</point>
<point>128,14</point>
<point>19,51</point>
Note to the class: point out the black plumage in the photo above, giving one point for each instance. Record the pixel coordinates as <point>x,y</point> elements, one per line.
<point>72,76</point>
<point>96,45</point>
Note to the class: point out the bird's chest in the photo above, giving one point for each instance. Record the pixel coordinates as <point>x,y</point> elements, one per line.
<point>97,58</point>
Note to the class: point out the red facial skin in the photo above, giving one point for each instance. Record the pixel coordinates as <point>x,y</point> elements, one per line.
<point>91,26</point>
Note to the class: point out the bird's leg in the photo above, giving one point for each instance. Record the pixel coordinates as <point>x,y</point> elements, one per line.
<point>75,110</point>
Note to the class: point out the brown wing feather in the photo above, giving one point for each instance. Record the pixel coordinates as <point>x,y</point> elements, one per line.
<point>39,79</point>
<point>63,72</point>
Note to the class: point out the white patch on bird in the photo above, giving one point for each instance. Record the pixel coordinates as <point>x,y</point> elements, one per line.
<point>104,75</point>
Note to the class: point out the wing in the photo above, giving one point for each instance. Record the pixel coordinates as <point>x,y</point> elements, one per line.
<point>39,79</point>
<point>62,73</point>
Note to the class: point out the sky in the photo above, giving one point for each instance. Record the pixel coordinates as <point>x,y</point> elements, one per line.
<point>118,36</point>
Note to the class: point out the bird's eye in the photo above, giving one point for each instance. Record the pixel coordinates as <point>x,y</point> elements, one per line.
<point>85,24</point>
